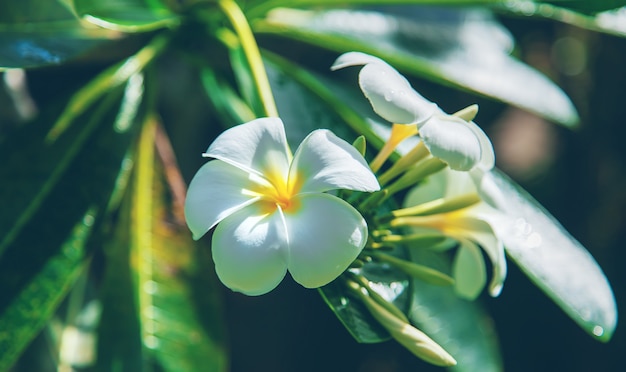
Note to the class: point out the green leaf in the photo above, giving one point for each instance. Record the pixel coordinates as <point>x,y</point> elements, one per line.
<point>37,33</point>
<point>110,78</point>
<point>34,177</point>
<point>231,108</point>
<point>126,15</point>
<point>119,336</point>
<point>465,49</point>
<point>50,248</point>
<point>177,296</point>
<point>461,327</point>
<point>386,281</point>
<point>588,6</point>
<point>308,101</point>
<point>609,21</point>
<point>262,7</point>
<point>557,263</point>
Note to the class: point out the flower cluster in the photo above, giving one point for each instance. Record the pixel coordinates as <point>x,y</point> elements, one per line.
<point>325,215</point>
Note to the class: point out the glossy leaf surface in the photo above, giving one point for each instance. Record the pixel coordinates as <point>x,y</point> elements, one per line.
<point>126,15</point>
<point>462,327</point>
<point>37,33</point>
<point>553,259</point>
<point>464,49</point>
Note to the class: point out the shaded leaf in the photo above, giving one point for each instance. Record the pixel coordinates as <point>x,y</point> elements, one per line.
<point>34,177</point>
<point>126,15</point>
<point>110,78</point>
<point>228,104</point>
<point>35,33</point>
<point>462,48</point>
<point>389,283</point>
<point>557,263</point>
<point>589,6</point>
<point>461,327</point>
<point>45,255</point>
<point>610,21</point>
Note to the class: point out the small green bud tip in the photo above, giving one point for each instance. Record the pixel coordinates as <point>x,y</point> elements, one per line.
<point>360,144</point>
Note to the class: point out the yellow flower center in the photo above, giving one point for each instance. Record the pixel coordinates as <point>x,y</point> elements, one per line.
<point>275,190</point>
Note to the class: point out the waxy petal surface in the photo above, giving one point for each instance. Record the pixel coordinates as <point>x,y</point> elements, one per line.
<point>481,232</point>
<point>451,140</point>
<point>259,146</point>
<point>214,193</point>
<point>392,97</point>
<point>249,249</point>
<point>468,270</point>
<point>326,234</point>
<point>326,162</point>
<point>390,93</point>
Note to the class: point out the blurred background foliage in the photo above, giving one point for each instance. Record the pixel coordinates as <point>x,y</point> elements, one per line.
<point>106,106</point>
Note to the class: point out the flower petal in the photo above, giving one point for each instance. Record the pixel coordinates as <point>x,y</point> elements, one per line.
<point>249,249</point>
<point>390,93</point>
<point>482,233</point>
<point>487,155</point>
<point>325,162</point>
<point>354,59</point>
<point>392,97</point>
<point>326,234</point>
<point>451,140</point>
<point>214,193</point>
<point>468,270</point>
<point>259,146</point>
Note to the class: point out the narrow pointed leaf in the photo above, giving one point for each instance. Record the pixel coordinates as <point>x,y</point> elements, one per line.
<point>176,292</point>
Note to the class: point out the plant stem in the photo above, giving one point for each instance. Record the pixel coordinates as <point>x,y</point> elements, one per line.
<point>252,53</point>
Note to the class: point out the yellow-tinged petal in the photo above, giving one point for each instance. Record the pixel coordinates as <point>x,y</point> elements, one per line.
<point>250,250</point>
<point>326,234</point>
<point>399,132</point>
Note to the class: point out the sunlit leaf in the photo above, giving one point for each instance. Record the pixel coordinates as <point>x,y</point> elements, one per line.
<point>178,301</point>
<point>588,6</point>
<point>49,248</point>
<point>557,263</point>
<point>462,327</point>
<point>462,48</point>
<point>262,7</point>
<point>610,21</point>
<point>126,15</point>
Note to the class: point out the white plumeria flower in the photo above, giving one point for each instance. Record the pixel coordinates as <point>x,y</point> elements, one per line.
<point>461,144</point>
<point>271,209</point>
<point>470,227</point>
